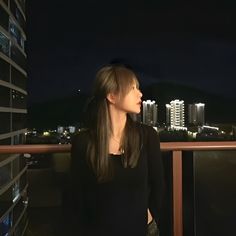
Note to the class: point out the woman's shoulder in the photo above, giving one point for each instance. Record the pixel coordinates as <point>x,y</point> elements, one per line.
<point>148,134</point>
<point>147,129</point>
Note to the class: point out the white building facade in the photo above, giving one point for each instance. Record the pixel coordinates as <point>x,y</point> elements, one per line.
<point>175,114</point>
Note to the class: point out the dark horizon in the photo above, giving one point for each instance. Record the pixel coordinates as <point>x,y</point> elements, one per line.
<point>70,110</point>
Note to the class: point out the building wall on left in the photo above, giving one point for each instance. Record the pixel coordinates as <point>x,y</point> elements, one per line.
<point>13,96</point>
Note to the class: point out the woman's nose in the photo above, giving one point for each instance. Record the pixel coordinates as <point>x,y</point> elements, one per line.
<point>140,94</point>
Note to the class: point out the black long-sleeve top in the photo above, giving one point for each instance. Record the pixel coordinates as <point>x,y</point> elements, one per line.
<point>117,207</point>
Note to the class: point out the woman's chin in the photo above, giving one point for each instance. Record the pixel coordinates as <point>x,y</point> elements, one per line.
<point>136,112</point>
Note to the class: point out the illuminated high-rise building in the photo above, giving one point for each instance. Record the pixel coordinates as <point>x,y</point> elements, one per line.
<point>149,113</point>
<point>196,114</point>
<point>168,114</point>
<point>175,113</point>
<point>13,77</point>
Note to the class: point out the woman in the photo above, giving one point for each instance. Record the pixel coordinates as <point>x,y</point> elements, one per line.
<point>116,164</point>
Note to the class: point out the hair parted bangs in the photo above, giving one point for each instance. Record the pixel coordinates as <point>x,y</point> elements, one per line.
<point>114,79</point>
<point>124,79</point>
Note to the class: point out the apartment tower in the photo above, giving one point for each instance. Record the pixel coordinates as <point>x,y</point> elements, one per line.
<point>13,94</point>
<point>175,113</point>
<point>149,112</point>
<point>196,114</point>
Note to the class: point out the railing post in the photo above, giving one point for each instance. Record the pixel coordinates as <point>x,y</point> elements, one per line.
<point>177,194</point>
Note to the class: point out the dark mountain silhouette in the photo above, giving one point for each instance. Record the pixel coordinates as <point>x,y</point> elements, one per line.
<point>69,110</point>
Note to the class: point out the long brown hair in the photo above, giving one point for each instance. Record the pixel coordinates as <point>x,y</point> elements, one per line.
<point>116,79</point>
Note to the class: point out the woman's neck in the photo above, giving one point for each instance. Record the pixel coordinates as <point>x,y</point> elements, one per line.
<point>118,121</point>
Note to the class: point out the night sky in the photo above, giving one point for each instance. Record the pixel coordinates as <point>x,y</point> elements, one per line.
<point>184,43</point>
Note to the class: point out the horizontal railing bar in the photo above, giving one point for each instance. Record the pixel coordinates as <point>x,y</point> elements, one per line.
<point>35,148</point>
<point>165,146</point>
<point>198,146</point>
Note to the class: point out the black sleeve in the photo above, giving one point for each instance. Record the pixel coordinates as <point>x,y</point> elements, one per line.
<point>78,169</point>
<point>155,173</point>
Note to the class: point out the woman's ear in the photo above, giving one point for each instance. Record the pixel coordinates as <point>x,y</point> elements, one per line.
<point>111,97</point>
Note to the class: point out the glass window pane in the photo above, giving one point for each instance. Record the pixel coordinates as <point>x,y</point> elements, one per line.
<point>17,78</point>
<point>16,34</point>
<point>17,14</point>
<point>214,188</point>
<point>18,100</point>
<point>4,18</point>
<point>18,57</point>
<point>4,69</point>
<point>4,96</point>
<point>4,44</point>
<point>5,175</point>
<point>5,122</point>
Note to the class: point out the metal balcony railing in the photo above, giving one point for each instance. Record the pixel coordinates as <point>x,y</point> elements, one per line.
<point>175,147</point>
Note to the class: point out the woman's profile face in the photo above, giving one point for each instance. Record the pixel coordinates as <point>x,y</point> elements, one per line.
<point>131,102</point>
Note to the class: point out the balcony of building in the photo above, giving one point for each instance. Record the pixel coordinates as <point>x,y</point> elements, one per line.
<point>199,198</point>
